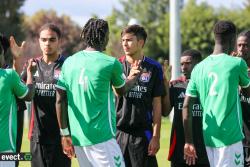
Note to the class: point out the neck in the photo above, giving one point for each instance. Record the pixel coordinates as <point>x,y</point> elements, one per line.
<point>132,58</point>
<point>218,49</point>
<point>51,58</point>
<point>93,49</point>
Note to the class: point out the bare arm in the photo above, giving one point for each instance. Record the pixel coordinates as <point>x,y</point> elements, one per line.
<point>17,52</point>
<point>189,149</point>
<point>165,100</point>
<point>154,144</point>
<point>131,79</point>
<point>62,116</point>
<point>29,82</point>
<point>61,108</point>
<point>166,106</point>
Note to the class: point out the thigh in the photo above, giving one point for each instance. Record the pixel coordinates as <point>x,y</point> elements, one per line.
<point>138,152</point>
<point>37,155</point>
<point>105,154</point>
<point>81,157</point>
<point>54,156</point>
<point>7,163</point>
<point>246,156</point>
<point>229,156</point>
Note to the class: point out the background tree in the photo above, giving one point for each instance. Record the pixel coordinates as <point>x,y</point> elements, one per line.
<point>70,32</point>
<point>11,19</point>
<point>197,23</point>
<point>149,13</point>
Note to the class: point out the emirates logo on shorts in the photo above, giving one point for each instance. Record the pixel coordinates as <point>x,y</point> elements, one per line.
<point>145,76</point>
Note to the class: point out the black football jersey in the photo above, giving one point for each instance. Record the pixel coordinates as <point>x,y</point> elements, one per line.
<point>44,127</point>
<point>177,140</point>
<point>134,109</point>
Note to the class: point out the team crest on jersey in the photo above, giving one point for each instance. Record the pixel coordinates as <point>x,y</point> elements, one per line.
<point>145,76</point>
<point>57,73</point>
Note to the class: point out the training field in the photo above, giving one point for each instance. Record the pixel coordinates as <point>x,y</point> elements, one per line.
<point>161,155</point>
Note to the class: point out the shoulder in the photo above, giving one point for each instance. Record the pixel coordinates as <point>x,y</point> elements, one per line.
<point>152,62</point>
<point>179,82</point>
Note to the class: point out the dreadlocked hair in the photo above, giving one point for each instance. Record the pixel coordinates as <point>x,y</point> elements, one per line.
<point>94,33</point>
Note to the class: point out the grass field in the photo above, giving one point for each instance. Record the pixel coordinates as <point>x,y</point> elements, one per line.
<point>161,155</point>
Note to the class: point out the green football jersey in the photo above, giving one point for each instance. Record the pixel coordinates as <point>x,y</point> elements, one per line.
<point>10,85</point>
<point>216,81</point>
<point>88,77</point>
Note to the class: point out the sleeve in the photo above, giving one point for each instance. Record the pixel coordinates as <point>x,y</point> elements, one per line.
<point>61,83</point>
<point>159,88</point>
<point>244,81</point>
<point>191,88</point>
<point>117,77</point>
<point>18,87</point>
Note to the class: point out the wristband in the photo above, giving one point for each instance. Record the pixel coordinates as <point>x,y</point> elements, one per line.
<point>64,132</point>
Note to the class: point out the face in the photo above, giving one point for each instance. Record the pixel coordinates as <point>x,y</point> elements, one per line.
<point>49,42</point>
<point>243,47</point>
<point>131,45</point>
<point>187,65</point>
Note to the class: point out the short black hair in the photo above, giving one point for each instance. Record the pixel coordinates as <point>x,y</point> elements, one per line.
<point>137,30</point>
<point>52,27</point>
<point>94,33</point>
<point>4,42</point>
<point>224,30</point>
<point>245,33</point>
<point>195,54</point>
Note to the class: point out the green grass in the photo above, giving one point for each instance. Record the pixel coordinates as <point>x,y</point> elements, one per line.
<point>161,155</point>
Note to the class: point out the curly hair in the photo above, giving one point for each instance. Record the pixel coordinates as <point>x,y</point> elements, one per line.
<point>95,33</point>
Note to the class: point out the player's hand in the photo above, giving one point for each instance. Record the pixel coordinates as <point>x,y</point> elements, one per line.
<point>189,154</point>
<point>32,66</point>
<point>167,69</point>
<point>67,146</point>
<point>154,146</point>
<point>135,69</point>
<point>16,50</point>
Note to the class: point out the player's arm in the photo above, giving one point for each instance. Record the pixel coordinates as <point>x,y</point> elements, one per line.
<point>131,79</point>
<point>189,149</point>
<point>31,68</point>
<point>165,100</point>
<point>154,144</point>
<point>62,116</point>
<point>17,52</point>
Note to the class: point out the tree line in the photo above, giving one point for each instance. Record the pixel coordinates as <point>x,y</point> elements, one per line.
<point>197,21</point>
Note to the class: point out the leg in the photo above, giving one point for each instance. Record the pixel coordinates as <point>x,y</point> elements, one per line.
<point>37,155</point>
<point>20,117</point>
<point>229,156</point>
<point>246,156</point>
<point>7,163</point>
<point>54,156</point>
<point>138,152</point>
<point>105,154</point>
<point>81,157</point>
<point>122,140</point>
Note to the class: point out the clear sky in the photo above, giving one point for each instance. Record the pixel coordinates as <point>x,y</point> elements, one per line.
<point>81,10</point>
